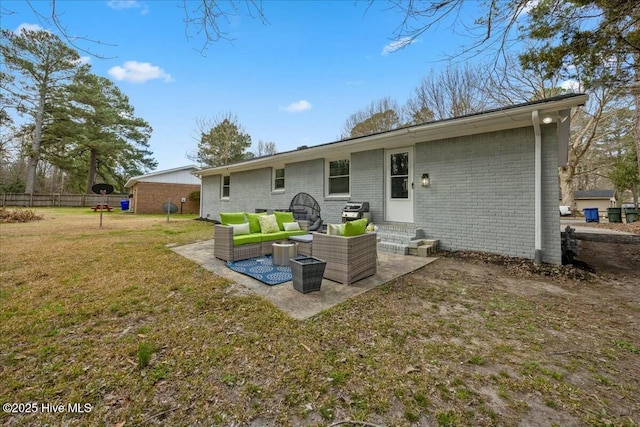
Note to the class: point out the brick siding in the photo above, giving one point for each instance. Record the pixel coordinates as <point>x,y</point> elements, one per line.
<point>481,195</point>
<point>150,196</point>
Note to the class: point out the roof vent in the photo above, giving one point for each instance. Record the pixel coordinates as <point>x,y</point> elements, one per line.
<point>302,147</point>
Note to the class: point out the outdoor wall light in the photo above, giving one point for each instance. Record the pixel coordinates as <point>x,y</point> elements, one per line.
<point>425,180</point>
<point>547,119</point>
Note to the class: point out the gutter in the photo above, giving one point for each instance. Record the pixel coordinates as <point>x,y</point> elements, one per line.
<point>535,118</point>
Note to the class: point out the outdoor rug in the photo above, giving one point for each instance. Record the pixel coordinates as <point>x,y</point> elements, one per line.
<point>262,269</point>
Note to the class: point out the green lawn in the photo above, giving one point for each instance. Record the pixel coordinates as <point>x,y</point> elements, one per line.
<point>112,318</point>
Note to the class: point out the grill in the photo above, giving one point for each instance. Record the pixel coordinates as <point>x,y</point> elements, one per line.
<point>355,210</point>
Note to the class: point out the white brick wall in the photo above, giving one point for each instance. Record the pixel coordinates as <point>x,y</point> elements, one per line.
<point>481,195</point>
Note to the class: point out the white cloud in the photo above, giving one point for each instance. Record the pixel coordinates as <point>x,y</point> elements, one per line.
<point>298,106</point>
<point>139,72</point>
<point>397,45</point>
<point>571,85</point>
<point>123,4</point>
<point>128,4</point>
<point>28,27</point>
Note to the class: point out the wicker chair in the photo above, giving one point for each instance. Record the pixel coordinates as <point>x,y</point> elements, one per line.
<point>224,248</point>
<point>349,259</point>
<point>305,207</point>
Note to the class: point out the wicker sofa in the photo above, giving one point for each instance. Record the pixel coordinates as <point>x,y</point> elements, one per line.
<point>230,247</point>
<point>349,259</point>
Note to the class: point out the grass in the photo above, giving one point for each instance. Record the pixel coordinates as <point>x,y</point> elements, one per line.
<point>113,318</point>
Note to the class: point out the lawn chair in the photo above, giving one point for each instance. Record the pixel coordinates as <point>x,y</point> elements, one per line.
<point>305,208</point>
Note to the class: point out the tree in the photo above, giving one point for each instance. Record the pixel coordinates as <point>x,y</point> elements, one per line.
<point>265,149</point>
<point>379,116</point>
<point>600,36</point>
<point>42,64</point>
<point>96,133</point>
<point>452,93</point>
<point>592,125</point>
<point>222,141</point>
<point>625,174</point>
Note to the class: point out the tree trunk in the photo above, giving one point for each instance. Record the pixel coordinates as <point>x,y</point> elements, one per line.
<point>93,164</point>
<point>566,174</point>
<point>34,155</point>
<point>635,92</point>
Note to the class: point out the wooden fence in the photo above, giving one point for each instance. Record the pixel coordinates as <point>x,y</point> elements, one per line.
<point>60,200</point>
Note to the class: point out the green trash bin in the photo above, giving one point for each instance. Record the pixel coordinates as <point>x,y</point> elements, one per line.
<point>631,214</point>
<point>614,214</point>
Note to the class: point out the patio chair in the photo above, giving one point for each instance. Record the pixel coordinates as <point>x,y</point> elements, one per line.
<point>305,208</point>
<point>349,259</point>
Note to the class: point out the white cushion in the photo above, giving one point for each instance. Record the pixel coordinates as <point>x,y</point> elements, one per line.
<point>335,229</point>
<point>240,228</point>
<point>291,226</point>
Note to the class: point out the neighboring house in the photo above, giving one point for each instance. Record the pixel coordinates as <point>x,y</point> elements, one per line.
<point>601,199</point>
<point>147,193</point>
<point>492,179</point>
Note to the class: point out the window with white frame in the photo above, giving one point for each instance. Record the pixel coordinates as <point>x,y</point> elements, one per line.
<point>225,187</point>
<point>278,179</point>
<point>338,177</point>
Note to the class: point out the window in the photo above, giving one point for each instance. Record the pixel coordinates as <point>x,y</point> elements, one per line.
<point>226,185</point>
<point>338,177</point>
<point>278,179</point>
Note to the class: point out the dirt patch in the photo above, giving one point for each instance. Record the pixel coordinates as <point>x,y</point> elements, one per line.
<point>612,260</point>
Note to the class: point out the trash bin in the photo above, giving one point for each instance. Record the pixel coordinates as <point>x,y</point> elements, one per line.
<point>614,214</point>
<point>631,214</point>
<point>591,214</point>
<point>124,205</point>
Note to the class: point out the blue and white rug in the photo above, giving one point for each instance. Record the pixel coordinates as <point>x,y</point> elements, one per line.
<point>262,269</point>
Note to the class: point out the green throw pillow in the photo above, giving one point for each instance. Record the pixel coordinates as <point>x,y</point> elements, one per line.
<point>282,217</point>
<point>227,218</point>
<point>254,224</point>
<point>355,228</point>
<point>268,224</point>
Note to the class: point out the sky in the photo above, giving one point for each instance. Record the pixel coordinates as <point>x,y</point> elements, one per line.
<point>293,80</point>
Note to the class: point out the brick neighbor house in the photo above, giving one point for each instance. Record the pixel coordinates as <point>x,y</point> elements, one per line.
<point>147,193</point>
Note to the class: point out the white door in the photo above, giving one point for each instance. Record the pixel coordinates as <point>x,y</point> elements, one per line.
<point>399,184</point>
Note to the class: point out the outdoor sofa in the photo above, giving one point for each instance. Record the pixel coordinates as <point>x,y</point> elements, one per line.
<point>243,235</point>
<point>351,255</point>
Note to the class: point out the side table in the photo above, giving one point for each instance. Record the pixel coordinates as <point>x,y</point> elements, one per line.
<point>283,252</point>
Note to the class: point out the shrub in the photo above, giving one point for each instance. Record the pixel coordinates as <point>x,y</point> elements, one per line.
<point>18,215</point>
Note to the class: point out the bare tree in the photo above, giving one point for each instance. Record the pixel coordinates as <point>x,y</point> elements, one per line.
<point>590,142</point>
<point>379,116</point>
<point>265,148</point>
<point>207,17</point>
<point>454,92</point>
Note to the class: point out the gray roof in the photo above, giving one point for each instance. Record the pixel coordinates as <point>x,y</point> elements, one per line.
<point>593,194</point>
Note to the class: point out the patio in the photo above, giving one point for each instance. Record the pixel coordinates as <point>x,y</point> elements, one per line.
<point>297,305</point>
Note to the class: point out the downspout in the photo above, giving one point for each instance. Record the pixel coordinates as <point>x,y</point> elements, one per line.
<point>537,257</point>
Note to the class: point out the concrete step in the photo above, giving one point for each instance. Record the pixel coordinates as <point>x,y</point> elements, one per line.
<point>398,239</point>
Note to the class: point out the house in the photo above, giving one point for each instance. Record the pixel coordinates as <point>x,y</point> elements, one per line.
<point>147,193</point>
<point>601,199</point>
<point>481,182</point>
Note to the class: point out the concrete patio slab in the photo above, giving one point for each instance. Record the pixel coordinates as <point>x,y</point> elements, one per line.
<point>298,305</point>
